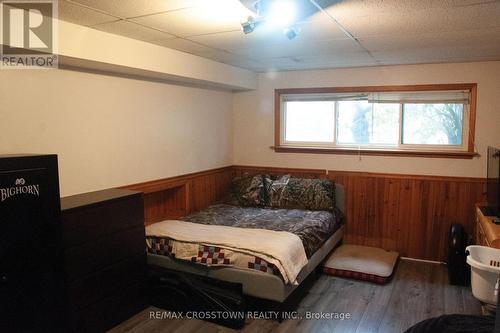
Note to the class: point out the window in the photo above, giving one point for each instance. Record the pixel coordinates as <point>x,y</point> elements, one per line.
<point>363,123</point>
<point>433,124</point>
<point>309,121</point>
<point>425,120</point>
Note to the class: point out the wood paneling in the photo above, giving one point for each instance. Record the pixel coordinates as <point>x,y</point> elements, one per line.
<point>177,196</point>
<point>238,170</point>
<point>407,213</point>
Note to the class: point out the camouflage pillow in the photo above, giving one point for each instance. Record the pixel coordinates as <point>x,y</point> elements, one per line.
<point>310,194</point>
<point>247,191</point>
<point>274,190</point>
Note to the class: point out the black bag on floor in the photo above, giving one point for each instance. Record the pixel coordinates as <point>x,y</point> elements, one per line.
<point>197,297</point>
<point>455,324</point>
<point>458,270</point>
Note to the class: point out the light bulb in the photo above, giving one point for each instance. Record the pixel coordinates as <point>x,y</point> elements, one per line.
<point>281,13</point>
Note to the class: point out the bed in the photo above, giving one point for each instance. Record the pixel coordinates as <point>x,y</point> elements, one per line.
<point>201,243</point>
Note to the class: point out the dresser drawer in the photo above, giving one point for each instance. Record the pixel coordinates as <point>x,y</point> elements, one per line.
<point>110,311</point>
<point>91,257</point>
<point>105,258</point>
<point>87,223</point>
<point>90,289</point>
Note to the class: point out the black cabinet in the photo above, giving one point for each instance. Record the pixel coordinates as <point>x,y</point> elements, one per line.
<point>30,244</point>
<point>105,258</point>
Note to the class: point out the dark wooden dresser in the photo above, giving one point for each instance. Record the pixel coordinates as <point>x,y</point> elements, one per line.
<point>104,258</point>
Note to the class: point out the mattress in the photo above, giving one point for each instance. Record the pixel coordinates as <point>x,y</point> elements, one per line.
<point>312,227</point>
<point>254,283</point>
<point>218,245</point>
<point>319,240</point>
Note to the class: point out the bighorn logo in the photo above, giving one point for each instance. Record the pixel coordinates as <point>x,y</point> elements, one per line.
<point>20,188</point>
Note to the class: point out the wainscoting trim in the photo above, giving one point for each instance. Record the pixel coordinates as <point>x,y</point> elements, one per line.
<point>410,214</point>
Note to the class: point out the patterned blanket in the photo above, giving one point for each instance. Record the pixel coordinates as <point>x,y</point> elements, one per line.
<point>208,255</point>
<point>312,227</point>
<point>282,249</point>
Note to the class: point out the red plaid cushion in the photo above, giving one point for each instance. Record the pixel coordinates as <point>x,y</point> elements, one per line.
<point>357,275</point>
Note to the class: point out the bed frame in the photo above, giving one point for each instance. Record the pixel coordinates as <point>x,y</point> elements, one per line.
<point>258,284</point>
<point>254,283</point>
<point>261,290</point>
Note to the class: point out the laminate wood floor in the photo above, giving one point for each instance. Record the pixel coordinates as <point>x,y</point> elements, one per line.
<point>418,291</point>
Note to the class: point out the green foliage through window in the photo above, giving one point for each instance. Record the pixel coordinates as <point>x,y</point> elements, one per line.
<point>362,123</point>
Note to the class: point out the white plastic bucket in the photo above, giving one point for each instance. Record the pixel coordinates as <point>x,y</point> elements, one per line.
<point>485,272</point>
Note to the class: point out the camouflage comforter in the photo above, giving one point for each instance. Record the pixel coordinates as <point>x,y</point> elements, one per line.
<point>313,227</point>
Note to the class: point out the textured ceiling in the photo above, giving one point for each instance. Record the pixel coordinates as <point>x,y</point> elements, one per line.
<point>387,32</point>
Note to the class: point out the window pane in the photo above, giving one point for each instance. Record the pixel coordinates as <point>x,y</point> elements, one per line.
<point>433,124</point>
<point>309,121</point>
<point>360,122</point>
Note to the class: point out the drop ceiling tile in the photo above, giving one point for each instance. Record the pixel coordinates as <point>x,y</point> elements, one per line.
<point>471,38</point>
<point>441,54</point>
<point>318,28</point>
<point>301,48</point>
<point>341,59</point>
<point>184,45</point>
<point>133,8</point>
<point>436,20</point>
<point>223,15</point>
<point>319,66</point>
<point>238,40</point>
<point>316,16</point>
<point>80,15</point>
<point>396,31</point>
<point>433,60</point>
<point>357,8</point>
<point>133,30</point>
<point>338,58</point>
<point>282,63</point>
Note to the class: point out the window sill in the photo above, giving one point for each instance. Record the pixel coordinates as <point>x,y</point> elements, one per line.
<point>377,152</point>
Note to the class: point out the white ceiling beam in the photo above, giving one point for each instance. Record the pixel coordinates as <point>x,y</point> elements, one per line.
<point>88,48</point>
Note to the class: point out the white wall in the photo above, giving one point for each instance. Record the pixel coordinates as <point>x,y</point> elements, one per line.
<point>110,131</point>
<point>254,118</point>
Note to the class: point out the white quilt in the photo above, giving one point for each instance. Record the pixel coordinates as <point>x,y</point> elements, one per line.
<point>282,249</point>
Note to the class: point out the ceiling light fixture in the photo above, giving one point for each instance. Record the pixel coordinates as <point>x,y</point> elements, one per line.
<point>291,32</point>
<point>274,13</point>
<point>281,13</point>
<point>249,25</point>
